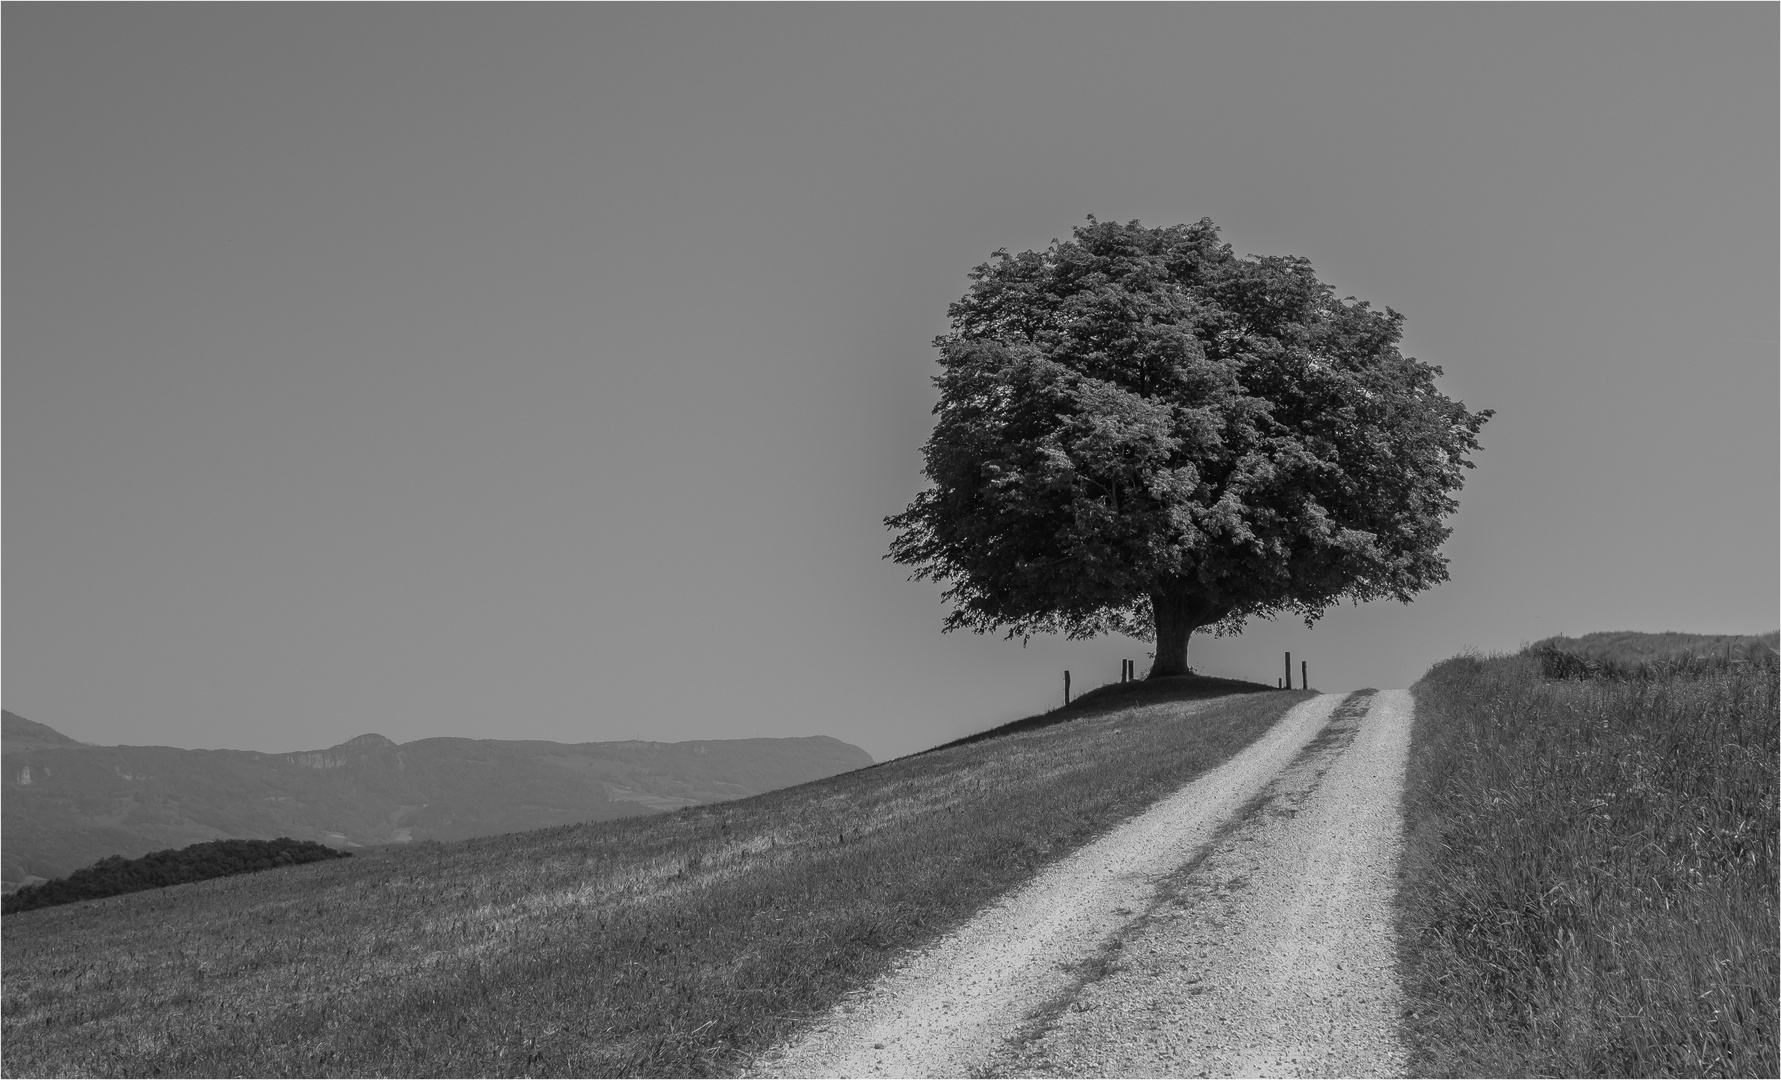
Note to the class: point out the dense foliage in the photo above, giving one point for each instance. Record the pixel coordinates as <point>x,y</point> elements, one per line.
<point>1591,868</point>
<point>158,869</point>
<point>1141,432</point>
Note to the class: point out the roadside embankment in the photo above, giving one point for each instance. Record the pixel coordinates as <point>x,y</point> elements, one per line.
<point>1591,873</point>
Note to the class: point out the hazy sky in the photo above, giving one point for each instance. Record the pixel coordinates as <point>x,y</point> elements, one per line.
<point>547,372</point>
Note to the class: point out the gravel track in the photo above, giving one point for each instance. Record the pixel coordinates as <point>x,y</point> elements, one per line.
<point>959,1007</point>
<point>1272,957</point>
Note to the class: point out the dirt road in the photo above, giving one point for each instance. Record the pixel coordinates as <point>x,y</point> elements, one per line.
<point>1239,927</point>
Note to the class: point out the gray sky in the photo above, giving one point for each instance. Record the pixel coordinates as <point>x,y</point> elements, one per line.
<point>547,372</point>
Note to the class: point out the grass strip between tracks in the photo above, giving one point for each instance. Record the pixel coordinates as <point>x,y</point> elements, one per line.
<point>675,945</point>
<point>1590,872</point>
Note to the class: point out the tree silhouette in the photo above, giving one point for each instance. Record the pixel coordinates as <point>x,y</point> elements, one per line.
<point>1139,431</point>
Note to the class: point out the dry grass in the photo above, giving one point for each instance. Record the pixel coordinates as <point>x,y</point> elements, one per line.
<point>673,945</point>
<point>1629,654</point>
<point>1591,873</point>
<point>1632,646</point>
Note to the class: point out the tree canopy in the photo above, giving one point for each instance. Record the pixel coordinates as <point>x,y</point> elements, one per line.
<point>1138,431</point>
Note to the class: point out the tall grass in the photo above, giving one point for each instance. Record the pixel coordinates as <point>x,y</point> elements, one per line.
<point>677,945</point>
<point>1633,655</point>
<point>1591,871</point>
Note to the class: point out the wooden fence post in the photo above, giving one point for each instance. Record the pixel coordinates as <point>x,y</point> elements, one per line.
<point>1066,686</point>
<point>1289,671</point>
<point>1304,674</point>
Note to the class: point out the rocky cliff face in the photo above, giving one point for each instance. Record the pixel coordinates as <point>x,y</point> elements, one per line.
<point>67,804</point>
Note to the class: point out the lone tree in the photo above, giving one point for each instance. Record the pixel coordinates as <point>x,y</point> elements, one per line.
<point>1140,432</point>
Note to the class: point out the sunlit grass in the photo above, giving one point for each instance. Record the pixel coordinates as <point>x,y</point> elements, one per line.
<point>673,945</point>
<point>1591,874</point>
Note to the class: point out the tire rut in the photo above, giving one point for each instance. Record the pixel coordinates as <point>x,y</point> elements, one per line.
<point>965,1005</point>
<point>1273,955</point>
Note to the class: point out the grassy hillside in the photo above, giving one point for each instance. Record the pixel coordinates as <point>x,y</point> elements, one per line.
<point>674,945</point>
<point>1626,654</point>
<point>1632,647</point>
<point>1592,865</point>
<point>68,805</point>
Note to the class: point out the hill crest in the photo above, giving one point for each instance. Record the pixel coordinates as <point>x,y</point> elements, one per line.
<point>18,732</point>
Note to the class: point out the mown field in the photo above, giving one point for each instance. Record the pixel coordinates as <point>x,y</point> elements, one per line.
<point>1591,872</point>
<point>675,945</point>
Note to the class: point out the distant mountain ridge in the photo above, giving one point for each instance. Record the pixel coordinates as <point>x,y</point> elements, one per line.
<point>67,804</point>
<point>23,734</point>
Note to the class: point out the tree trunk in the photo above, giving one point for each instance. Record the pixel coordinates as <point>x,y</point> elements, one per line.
<point>1178,615</point>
